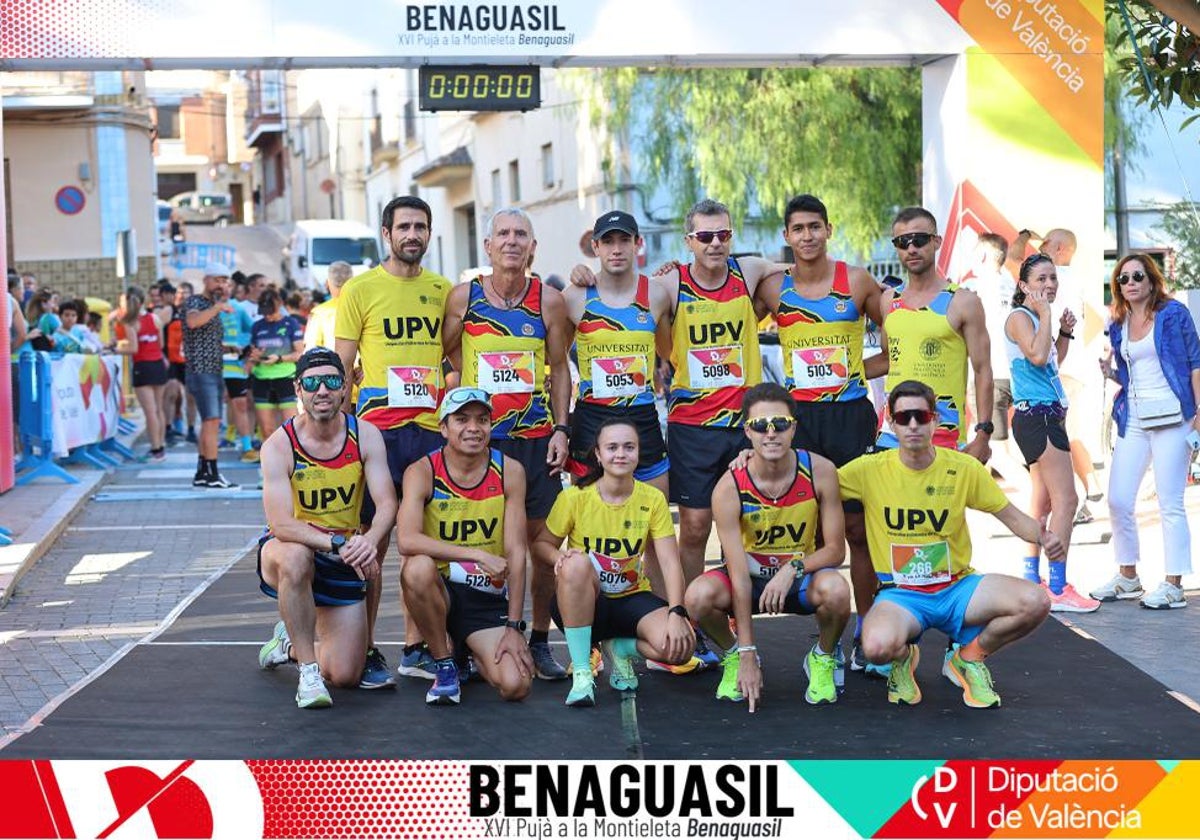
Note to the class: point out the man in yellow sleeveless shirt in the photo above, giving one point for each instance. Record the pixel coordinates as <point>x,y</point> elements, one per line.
<point>314,557</point>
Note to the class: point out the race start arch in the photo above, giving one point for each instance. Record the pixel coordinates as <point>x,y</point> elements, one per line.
<point>1013,89</point>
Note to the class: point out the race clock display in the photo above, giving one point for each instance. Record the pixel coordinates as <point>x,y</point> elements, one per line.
<point>484,87</point>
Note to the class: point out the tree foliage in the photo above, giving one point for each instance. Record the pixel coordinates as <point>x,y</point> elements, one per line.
<point>753,138</point>
<point>1181,224</point>
<point>1169,68</point>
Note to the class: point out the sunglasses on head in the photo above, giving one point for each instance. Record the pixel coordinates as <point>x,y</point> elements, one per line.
<point>1126,279</point>
<point>906,240</point>
<point>905,418</point>
<point>762,425</point>
<point>706,236</point>
<point>332,381</point>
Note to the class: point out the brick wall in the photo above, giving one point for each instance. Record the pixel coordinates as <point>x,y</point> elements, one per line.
<point>86,277</point>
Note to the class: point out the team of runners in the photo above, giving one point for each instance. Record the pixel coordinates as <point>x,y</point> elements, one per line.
<point>466,423</point>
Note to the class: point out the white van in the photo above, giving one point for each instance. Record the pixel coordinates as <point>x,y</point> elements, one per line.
<point>316,243</point>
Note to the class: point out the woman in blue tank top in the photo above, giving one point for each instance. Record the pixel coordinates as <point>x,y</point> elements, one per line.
<point>1039,418</point>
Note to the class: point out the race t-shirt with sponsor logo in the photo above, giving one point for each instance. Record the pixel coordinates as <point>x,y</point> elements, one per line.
<point>397,322</point>
<point>468,516</point>
<point>328,493</point>
<point>916,519</point>
<point>615,535</point>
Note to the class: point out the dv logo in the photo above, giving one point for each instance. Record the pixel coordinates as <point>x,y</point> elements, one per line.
<point>945,780</point>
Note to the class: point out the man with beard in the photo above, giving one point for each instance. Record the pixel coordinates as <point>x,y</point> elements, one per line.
<point>391,318</point>
<point>314,557</point>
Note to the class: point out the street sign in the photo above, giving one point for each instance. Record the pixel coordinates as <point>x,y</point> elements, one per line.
<point>69,200</point>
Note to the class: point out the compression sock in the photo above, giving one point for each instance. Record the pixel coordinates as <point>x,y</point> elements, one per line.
<point>579,645</point>
<point>1058,576</point>
<point>1031,569</point>
<point>247,443</point>
<point>624,647</point>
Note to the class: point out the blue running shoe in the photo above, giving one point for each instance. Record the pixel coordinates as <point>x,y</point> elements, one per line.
<point>418,664</point>
<point>376,673</point>
<point>445,689</point>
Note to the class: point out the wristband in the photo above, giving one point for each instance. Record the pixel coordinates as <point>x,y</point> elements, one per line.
<point>681,611</point>
<point>1066,335</point>
<point>747,648</point>
<point>566,430</point>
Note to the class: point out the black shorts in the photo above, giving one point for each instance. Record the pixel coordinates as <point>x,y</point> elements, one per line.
<point>840,431</point>
<point>178,371</point>
<point>615,618</point>
<point>699,457</point>
<point>1001,402</point>
<point>146,374</point>
<point>235,388</point>
<point>1032,430</point>
<point>269,393</point>
<point>795,602</point>
<point>472,610</point>
<point>541,488</point>
<point>334,583</point>
<point>404,446</point>
<point>652,453</point>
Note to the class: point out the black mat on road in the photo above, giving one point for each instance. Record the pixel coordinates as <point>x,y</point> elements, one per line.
<point>188,696</point>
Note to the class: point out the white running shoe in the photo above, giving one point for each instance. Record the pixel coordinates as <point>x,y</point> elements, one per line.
<point>1167,596</point>
<point>311,692</point>
<point>1120,588</point>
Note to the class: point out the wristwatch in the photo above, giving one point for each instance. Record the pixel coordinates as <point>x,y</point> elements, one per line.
<point>987,427</point>
<point>519,625</point>
<point>336,541</point>
<point>560,427</point>
<point>680,610</point>
<point>798,567</point>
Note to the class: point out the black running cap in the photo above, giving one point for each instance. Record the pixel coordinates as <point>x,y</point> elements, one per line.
<point>317,356</point>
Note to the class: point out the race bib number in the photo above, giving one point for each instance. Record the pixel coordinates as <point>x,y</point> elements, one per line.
<point>412,387</point>
<point>821,367</point>
<point>506,373</point>
<point>616,576</point>
<point>619,376</point>
<point>475,577</point>
<point>766,566</point>
<point>716,367</point>
<point>921,565</point>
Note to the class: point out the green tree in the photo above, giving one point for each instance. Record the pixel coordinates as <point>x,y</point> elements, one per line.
<point>753,138</point>
<point>1169,51</point>
<point>1181,225</point>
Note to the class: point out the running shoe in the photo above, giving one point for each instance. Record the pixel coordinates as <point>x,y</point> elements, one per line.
<point>693,665</point>
<point>728,689</point>
<point>951,649</point>
<point>881,672</point>
<point>839,670</point>
<point>375,672</point>
<point>250,456</point>
<point>1167,596</point>
<point>707,656</point>
<point>1084,516</point>
<point>583,690</point>
<point>623,677</point>
<point>902,687</point>
<point>226,443</point>
<point>219,482</point>
<point>1120,588</point>
<point>191,435</point>
<point>467,671</point>
<point>311,692</point>
<point>858,660</point>
<point>974,679</point>
<point>418,664</point>
<point>819,668</point>
<point>545,666</point>
<point>275,652</point>
<point>1071,601</point>
<point>445,690</point>
<point>200,480</point>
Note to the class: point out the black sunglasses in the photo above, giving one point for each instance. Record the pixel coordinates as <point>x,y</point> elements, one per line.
<point>905,417</point>
<point>906,240</point>
<point>332,381</point>
<point>706,236</point>
<point>1126,279</point>
<point>762,425</point>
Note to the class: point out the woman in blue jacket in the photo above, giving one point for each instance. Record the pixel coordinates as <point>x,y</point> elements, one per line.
<point>1157,355</point>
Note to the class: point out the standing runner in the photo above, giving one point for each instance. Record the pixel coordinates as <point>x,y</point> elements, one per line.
<point>503,331</point>
<point>314,558</point>
<point>932,331</point>
<point>391,317</point>
<point>821,306</point>
<point>769,516</point>
<point>462,531</point>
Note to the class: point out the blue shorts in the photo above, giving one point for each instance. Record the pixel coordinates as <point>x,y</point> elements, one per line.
<point>334,583</point>
<point>208,390</point>
<point>944,610</point>
<point>795,602</point>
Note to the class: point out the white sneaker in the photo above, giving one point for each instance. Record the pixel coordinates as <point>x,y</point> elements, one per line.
<point>275,652</point>
<point>1120,588</point>
<point>311,692</point>
<point>1167,596</point>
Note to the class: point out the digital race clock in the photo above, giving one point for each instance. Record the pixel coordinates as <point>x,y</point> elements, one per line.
<point>481,87</point>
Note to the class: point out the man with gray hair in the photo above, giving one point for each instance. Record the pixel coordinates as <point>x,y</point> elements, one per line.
<point>319,330</point>
<point>503,331</point>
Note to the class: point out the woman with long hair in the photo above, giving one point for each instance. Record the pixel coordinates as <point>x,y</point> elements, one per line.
<point>139,335</point>
<point>1157,355</point>
<point>1039,418</point>
<point>276,342</point>
<point>609,519</point>
<point>41,321</point>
